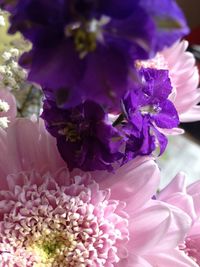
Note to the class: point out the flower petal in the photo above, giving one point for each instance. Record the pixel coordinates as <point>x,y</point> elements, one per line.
<point>172,258</point>
<point>135,182</point>
<point>158,228</point>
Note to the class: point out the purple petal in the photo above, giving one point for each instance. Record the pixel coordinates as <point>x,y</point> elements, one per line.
<point>161,139</point>
<point>158,84</point>
<point>169,20</point>
<point>167,117</point>
<point>117,8</point>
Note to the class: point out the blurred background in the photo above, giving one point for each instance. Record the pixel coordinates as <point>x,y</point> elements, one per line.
<point>191,9</point>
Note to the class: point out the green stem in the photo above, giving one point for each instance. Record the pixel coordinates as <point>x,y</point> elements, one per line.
<point>119,120</point>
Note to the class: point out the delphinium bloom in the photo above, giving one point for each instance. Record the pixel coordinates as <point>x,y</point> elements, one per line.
<point>50,217</point>
<point>85,49</point>
<point>147,109</point>
<point>99,143</point>
<point>85,137</point>
<point>8,108</point>
<point>185,197</point>
<point>184,78</point>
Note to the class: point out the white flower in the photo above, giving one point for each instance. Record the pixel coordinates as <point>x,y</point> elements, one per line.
<point>6,55</point>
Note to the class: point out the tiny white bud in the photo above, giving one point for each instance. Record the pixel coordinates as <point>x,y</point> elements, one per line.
<point>6,55</point>
<point>14,52</point>
<point>9,81</point>
<point>4,107</point>
<point>14,65</point>
<point>9,73</point>
<point>3,69</point>
<point>4,122</point>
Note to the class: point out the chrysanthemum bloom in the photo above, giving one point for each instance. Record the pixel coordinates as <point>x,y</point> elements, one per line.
<point>54,218</point>
<point>184,78</point>
<point>186,198</point>
<point>8,108</point>
<point>85,48</point>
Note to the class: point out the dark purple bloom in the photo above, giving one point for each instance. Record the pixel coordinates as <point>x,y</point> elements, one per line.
<point>85,49</point>
<point>147,109</point>
<point>169,20</point>
<point>85,138</point>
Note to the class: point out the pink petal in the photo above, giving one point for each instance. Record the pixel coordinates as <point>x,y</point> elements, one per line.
<point>173,131</point>
<point>194,188</point>
<point>173,258</point>
<point>194,191</point>
<point>178,184</point>
<point>157,228</point>
<point>134,261</point>
<point>29,146</point>
<point>192,114</point>
<point>4,162</point>
<point>184,202</point>
<point>185,80</point>
<point>135,182</point>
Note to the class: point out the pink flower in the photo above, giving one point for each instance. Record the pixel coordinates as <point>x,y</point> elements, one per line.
<point>50,217</point>
<point>186,198</point>
<point>184,78</point>
<point>8,109</point>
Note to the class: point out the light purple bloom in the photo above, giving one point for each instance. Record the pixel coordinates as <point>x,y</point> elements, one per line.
<point>147,108</point>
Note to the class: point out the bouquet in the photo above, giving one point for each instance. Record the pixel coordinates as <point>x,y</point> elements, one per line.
<point>90,90</point>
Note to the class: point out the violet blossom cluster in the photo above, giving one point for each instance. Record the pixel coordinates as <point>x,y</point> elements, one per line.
<point>87,139</point>
<point>85,56</point>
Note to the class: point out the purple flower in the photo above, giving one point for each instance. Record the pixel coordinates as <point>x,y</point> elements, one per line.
<point>169,20</point>
<point>85,138</point>
<point>84,49</point>
<point>147,109</point>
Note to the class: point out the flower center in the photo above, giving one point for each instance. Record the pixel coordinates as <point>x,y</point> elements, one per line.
<point>150,109</point>
<point>55,228</point>
<point>52,248</point>
<point>71,132</point>
<point>192,248</point>
<point>84,41</point>
<point>85,34</point>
